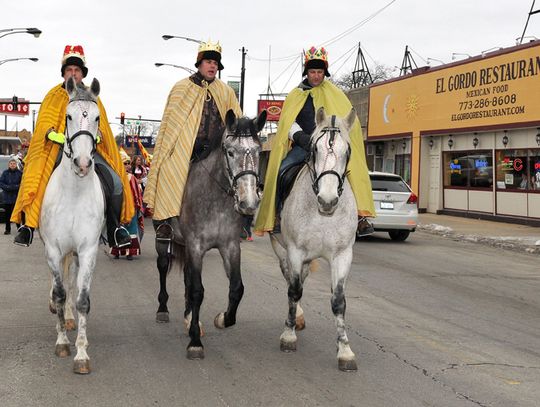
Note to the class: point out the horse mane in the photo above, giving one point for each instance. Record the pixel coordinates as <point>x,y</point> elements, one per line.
<point>83,94</point>
<point>245,127</point>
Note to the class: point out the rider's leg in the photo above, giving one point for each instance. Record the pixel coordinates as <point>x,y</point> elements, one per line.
<point>117,235</point>
<point>25,233</point>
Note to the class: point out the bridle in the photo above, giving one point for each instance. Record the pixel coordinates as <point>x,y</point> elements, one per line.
<point>69,140</point>
<point>331,131</point>
<point>248,163</point>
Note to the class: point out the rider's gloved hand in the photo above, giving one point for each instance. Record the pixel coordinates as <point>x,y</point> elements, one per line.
<point>55,137</point>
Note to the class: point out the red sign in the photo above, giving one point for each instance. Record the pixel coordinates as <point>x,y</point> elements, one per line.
<point>6,107</point>
<point>272,107</point>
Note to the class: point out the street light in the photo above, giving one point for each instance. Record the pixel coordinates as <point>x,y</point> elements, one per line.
<point>191,71</point>
<point>17,59</point>
<point>434,60</point>
<point>168,37</point>
<point>456,54</point>
<point>8,31</point>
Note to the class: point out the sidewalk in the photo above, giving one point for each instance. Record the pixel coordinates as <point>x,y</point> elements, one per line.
<point>498,234</point>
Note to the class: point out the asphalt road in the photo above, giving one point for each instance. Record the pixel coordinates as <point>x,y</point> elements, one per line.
<point>433,322</point>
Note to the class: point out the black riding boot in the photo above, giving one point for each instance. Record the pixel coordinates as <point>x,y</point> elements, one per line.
<point>117,235</point>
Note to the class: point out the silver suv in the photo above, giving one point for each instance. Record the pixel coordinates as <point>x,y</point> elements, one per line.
<point>395,204</point>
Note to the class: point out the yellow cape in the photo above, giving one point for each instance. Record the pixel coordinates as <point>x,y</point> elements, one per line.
<point>42,154</point>
<point>335,102</point>
<point>179,126</point>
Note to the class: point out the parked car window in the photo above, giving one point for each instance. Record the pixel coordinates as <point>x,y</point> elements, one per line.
<point>391,184</point>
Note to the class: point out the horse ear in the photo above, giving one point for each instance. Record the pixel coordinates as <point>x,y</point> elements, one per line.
<point>260,120</point>
<point>95,88</point>
<point>230,120</point>
<point>71,86</point>
<point>351,117</point>
<point>320,116</point>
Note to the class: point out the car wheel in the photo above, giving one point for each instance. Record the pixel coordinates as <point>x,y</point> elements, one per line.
<point>399,235</point>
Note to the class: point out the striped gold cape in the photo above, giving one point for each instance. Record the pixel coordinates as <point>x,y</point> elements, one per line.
<point>335,102</point>
<point>42,154</point>
<point>179,126</point>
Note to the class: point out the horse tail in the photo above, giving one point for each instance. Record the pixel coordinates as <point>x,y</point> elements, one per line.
<point>177,257</point>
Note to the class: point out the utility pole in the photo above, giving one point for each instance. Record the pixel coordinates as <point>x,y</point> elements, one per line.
<point>242,78</point>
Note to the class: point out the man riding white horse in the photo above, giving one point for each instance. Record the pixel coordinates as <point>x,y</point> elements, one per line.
<point>195,111</point>
<point>296,124</point>
<point>46,150</point>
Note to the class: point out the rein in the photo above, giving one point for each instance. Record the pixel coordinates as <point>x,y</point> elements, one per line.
<point>332,130</point>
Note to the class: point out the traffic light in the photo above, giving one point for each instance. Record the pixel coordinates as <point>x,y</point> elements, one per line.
<point>122,118</point>
<point>15,103</point>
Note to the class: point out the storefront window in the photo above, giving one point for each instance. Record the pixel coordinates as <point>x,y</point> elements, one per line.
<point>403,167</point>
<point>512,169</point>
<point>468,169</point>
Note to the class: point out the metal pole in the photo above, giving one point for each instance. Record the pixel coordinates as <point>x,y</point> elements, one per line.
<point>33,121</point>
<point>242,78</point>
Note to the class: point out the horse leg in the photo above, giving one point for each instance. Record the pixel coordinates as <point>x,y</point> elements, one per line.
<point>288,337</point>
<point>281,253</point>
<point>195,291</point>
<point>340,266</point>
<point>163,260</point>
<point>231,261</point>
<point>87,263</point>
<point>58,301</point>
<point>70,272</point>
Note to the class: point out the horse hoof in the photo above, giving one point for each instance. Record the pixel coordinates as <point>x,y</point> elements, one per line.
<point>70,325</point>
<point>62,350</point>
<point>162,317</point>
<point>300,323</point>
<point>219,321</point>
<point>287,347</point>
<point>81,366</point>
<point>195,353</point>
<point>347,365</point>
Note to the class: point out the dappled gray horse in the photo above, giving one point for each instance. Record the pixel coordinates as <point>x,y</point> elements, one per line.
<point>319,219</point>
<point>219,190</point>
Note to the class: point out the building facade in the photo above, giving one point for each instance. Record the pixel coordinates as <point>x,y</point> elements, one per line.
<point>465,136</point>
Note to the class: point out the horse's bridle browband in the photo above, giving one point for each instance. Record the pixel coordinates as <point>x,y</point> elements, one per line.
<point>69,140</point>
<point>332,129</point>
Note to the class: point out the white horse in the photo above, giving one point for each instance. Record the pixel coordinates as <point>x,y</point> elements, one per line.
<point>319,219</point>
<point>72,218</point>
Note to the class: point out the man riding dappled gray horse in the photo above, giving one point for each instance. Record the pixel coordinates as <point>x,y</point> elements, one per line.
<point>318,219</point>
<point>204,175</point>
<point>72,218</point>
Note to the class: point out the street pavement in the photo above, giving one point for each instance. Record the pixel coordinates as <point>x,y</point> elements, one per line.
<point>498,234</point>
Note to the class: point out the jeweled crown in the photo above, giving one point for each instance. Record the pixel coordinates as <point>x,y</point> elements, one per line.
<point>209,46</point>
<point>316,53</point>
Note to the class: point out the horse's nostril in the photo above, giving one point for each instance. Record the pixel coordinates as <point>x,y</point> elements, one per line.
<point>334,201</point>
<point>76,162</point>
<point>320,200</point>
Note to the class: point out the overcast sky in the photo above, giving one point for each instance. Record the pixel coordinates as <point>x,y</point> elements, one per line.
<point>122,41</point>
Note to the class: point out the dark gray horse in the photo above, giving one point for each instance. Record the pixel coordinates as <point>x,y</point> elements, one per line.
<point>219,190</point>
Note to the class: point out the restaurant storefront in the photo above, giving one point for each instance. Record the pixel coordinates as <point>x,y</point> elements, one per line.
<point>466,136</point>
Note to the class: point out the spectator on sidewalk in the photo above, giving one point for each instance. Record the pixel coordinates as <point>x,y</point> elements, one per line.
<point>10,182</point>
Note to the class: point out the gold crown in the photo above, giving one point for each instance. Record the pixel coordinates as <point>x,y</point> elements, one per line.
<point>316,53</point>
<point>209,46</point>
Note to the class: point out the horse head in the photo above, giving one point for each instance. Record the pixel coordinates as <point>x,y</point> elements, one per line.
<point>82,124</point>
<point>241,148</point>
<point>329,156</point>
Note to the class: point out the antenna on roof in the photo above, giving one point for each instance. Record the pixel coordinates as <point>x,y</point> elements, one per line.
<point>361,75</point>
<point>528,18</point>
<point>408,62</point>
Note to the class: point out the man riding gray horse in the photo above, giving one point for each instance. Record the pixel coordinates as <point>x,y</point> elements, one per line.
<point>296,125</point>
<point>195,111</point>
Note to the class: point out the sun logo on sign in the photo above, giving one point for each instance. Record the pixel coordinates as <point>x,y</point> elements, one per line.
<point>411,109</point>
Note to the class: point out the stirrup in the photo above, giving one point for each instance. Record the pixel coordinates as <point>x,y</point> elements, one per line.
<point>24,237</point>
<point>122,241</point>
<point>164,233</point>
<point>364,228</point>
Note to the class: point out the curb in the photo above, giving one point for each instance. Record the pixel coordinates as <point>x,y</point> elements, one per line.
<point>526,245</point>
